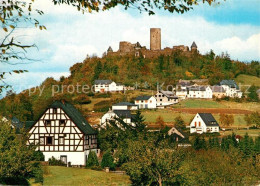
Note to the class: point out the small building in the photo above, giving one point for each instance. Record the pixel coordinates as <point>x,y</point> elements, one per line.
<point>111,116</point>
<point>124,106</point>
<point>165,98</point>
<point>231,88</point>
<point>107,86</point>
<point>204,122</point>
<point>146,102</point>
<point>218,91</point>
<point>202,92</point>
<point>63,133</point>
<point>177,135</point>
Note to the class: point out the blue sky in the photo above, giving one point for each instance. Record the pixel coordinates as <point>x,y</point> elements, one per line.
<point>232,26</point>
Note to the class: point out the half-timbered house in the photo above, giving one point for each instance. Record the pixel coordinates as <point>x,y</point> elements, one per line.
<point>62,132</point>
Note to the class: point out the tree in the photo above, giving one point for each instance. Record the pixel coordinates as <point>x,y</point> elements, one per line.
<point>108,160</point>
<point>15,156</point>
<point>179,122</point>
<point>92,159</point>
<point>141,5</point>
<point>139,122</point>
<point>15,14</point>
<point>252,96</point>
<point>160,122</point>
<point>226,119</point>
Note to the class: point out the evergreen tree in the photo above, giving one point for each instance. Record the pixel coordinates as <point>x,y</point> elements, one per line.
<point>92,159</point>
<point>97,70</point>
<point>139,121</point>
<point>179,123</point>
<point>252,96</point>
<point>108,160</point>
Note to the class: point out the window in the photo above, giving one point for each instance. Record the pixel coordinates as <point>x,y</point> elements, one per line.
<point>195,124</point>
<point>62,122</point>
<point>199,123</point>
<point>61,140</point>
<point>54,111</point>
<point>146,101</point>
<point>48,123</point>
<point>41,140</point>
<point>137,101</point>
<point>160,99</point>
<point>49,140</point>
<point>150,101</point>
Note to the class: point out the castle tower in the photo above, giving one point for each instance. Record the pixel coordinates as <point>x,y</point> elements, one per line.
<point>193,46</point>
<point>155,39</point>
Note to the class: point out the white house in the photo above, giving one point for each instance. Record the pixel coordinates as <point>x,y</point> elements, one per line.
<point>124,106</point>
<point>111,115</point>
<point>231,88</point>
<point>107,86</point>
<point>145,102</point>
<point>204,122</point>
<point>165,98</point>
<point>204,92</point>
<point>62,132</point>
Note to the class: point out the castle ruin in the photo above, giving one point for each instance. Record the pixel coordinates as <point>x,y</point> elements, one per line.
<point>127,48</point>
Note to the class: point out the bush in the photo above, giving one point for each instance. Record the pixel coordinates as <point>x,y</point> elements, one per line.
<point>53,161</point>
<point>90,94</point>
<point>92,160</point>
<point>108,161</point>
<point>97,168</point>
<point>38,156</point>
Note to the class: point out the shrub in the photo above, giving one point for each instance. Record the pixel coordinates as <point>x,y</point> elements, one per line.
<point>92,160</point>
<point>38,156</point>
<point>90,94</point>
<point>103,95</point>
<point>108,161</point>
<point>53,161</point>
<point>97,168</point>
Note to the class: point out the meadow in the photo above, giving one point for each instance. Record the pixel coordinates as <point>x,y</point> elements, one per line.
<point>57,175</point>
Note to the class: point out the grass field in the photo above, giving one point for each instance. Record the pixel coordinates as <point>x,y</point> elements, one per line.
<point>195,103</point>
<point>76,176</point>
<point>253,133</point>
<point>247,80</point>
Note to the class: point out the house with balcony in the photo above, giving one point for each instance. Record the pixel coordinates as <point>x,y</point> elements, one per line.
<point>145,102</point>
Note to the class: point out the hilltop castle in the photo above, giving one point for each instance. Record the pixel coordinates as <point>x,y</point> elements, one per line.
<point>127,48</point>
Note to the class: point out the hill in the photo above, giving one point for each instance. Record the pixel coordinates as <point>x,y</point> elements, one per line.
<point>130,70</point>
<point>248,80</point>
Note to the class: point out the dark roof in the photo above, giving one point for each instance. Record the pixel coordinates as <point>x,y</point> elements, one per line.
<point>230,83</point>
<point>102,82</point>
<point>124,104</point>
<point>143,97</point>
<point>169,94</point>
<point>74,115</point>
<point>216,88</point>
<point>194,45</point>
<point>110,49</point>
<point>29,124</point>
<point>16,123</point>
<point>208,119</point>
<point>197,88</point>
<point>123,113</point>
<point>184,84</point>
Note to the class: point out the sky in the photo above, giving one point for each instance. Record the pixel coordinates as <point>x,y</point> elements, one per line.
<point>233,26</point>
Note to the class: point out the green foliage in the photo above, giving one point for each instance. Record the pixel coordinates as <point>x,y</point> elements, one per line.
<point>82,99</point>
<point>55,162</point>
<point>38,156</point>
<point>253,96</point>
<point>15,156</point>
<point>108,160</point>
<point>179,123</point>
<point>226,119</point>
<point>92,159</point>
<point>253,118</point>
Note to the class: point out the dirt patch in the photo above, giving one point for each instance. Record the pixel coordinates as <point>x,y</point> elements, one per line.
<point>211,110</point>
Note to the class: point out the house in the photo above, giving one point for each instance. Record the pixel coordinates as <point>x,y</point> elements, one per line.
<point>203,92</point>
<point>145,102</point>
<point>218,91</point>
<point>124,106</point>
<point>111,115</point>
<point>204,122</point>
<point>179,136</point>
<point>231,88</point>
<point>107,86</point>
<point>62,132</point>
<point>165,98</point>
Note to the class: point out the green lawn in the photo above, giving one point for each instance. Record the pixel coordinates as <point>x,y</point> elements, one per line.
<point>247,80</point>
<point>79,176</point>
<point>199,103</point>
